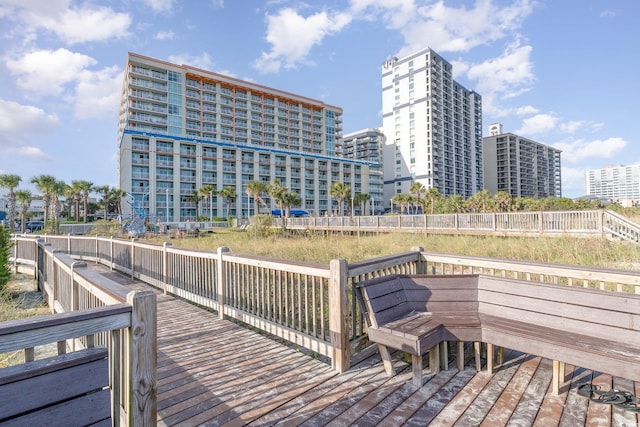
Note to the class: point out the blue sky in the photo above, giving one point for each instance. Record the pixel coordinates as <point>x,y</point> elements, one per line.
<point>558,72</point>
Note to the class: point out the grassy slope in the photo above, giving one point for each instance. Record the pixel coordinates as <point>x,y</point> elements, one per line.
<point>562,250</point>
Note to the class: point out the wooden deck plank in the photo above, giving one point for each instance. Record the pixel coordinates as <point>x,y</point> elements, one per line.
<point>527,409</point>
<point>597,413</point>
<point>552,405</point>
<point>213,371</point>
<point>510,397</point>
<point>479,408</point>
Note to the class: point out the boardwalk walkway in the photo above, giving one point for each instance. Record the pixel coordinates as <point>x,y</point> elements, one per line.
<point>215,372</point>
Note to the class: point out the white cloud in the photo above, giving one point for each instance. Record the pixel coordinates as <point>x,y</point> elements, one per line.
<point>98,92</point>
<point>538,124</point>
<point>46,72</point>
<point>526,110</point>
<point>71,24</point>
<point>160,5</point>
<point>607,14</point>
<point>202,61</point>
<point>506,76</point>
<point>19,123</point>
<point>578,150</point>
<point>164,35</point>
<point>292,36</point>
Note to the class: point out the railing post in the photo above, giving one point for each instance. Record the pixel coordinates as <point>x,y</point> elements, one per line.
<point>142,360</point>
<point>75,298</point>
<point>133,256</point>
<point>69,244</point>
<point>165,266</point>
<point>421,265</point>
<point>111,253</point>
<point>338,325</point>
<point>221,284</point>
<point>97,249</point>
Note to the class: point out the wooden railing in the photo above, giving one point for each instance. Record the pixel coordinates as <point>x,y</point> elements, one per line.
<point>310,305</point>
<point>90,310</point>
<point>556,223</point>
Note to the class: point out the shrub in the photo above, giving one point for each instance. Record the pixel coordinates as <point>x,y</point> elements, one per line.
<point>5,250</point>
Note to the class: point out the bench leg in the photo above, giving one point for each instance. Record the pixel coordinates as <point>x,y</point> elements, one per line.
<point>490,358</point>
<point>460,355</point>
<point>444,355</point>
<point>434,359</point>
<point>386,360</point>
<point>476,355</point>
<point>416,363</point>
<point>558,376</point>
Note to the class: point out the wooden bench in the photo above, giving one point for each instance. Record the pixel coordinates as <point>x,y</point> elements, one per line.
<point>69,389</point>
<point>417,317</point>
<point>589,328</point>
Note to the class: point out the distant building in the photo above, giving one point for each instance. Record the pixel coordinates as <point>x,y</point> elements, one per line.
<point>366,145</point>
<point>433,127</point>
<point>520,166</point>
<point>181,127</point>
<point>616,184</point>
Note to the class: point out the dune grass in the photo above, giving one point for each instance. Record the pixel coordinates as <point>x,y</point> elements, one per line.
<point>322,248</point>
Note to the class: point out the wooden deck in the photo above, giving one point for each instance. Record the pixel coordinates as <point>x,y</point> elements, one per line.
<point>215,372</point>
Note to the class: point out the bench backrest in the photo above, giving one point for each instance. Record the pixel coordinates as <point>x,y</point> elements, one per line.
<point>69,389</point>
<point>594,312</point>
<point>441,294</point>
<point>382,300</point>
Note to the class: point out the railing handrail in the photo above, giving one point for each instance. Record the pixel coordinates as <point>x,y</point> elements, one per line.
<point>41,330</point>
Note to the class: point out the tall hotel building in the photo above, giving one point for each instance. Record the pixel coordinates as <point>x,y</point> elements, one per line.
<point>366,145</point>
<point>520,166</point>
<point>181,128</point>
<point>433,127</point>
<point>619,184</point>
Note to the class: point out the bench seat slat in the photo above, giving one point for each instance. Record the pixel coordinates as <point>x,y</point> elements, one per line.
<point>31,386</point>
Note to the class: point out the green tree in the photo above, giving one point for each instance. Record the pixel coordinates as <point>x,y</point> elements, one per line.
<point>69,194</point>
<point>83,188</point>
<point>10,182</point>
<point>45,184</point>
<point>194,198</point>
<point>256,189</point>
<point>277,191</point>
<point>433,198</point>
<point>229,194</point>
<point>24,198</point>
<point>454,204</point>
<point>503,201</point>
<point>5,251</point>
<point>207,191</point>
<point>289,200</point>
<point>480,202</point>
<point>340,191</point>
<point>105,193</point>
<point>417,189</point>
<point>361,199</point>
<point>403,200</point>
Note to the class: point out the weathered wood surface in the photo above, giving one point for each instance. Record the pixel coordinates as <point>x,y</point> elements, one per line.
<point>215,372</point>
<point>68,389</point>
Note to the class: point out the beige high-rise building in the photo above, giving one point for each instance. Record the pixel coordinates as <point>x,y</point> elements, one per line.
<point>181,127</point>
<point>520,166</point>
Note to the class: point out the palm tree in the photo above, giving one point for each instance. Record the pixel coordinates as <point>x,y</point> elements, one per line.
<point>454,203</point>
<point>105,194</point>
<point>45,184</point>
<point>277,191</point>
<point>194,198</point>
<point>340,191</point>
<point>57,189</point>
<point>83,188</point>
<point>402,200</point>
<point>207,191</point>
<point>361,199</point>
<point>10,182</point>
<point>289,199</point>
<point>69,194</point>
<point>24,198</point>
<point>480,202</point>
<point>229,194</point>
<point>256,189</point>
<point>417,189</point>
<point>503,201</point>
<point>116,199</point>
<point>433,196</point>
